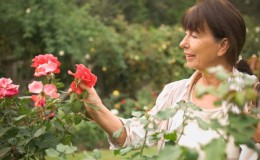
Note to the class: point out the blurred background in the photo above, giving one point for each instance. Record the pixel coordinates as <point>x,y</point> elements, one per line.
<point>132,46</point>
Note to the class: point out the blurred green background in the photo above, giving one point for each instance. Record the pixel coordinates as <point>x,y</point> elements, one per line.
<point>132,46</point>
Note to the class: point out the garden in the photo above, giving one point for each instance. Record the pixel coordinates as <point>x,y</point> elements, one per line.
<point>128,51</point>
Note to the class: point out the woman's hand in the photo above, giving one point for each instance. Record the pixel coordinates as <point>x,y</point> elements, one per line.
<point>92,97</point>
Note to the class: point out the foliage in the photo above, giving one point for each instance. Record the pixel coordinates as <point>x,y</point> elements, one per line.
<point>88,135</point>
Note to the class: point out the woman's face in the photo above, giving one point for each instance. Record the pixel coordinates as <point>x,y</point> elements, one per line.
<point>201,50</point>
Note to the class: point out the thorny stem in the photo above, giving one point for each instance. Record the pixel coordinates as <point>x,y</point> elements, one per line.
<point>183,124</point>
<point>145,136</point>
<point>182,130</point>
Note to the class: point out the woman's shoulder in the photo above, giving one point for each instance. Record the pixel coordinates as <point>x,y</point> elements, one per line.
<point>174,87</point>
<point>177,84</point>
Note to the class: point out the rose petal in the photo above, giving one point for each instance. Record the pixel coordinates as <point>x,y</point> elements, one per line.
<point>75,89</point>
<point>35,87</point>
<point>51,90</point>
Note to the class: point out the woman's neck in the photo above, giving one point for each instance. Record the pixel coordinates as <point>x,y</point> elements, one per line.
<point>208,79</point>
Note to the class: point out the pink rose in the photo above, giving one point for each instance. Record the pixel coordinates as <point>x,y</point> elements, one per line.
<point>45,64</point>
<point>37,87</point>
<point>86,77</point>
<point>39,100</point>
<point>7,89</point>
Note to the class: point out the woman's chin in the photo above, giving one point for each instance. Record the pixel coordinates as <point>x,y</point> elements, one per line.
<point>192,66</point>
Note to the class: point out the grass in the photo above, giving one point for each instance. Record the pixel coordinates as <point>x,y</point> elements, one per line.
<point>105,155</point>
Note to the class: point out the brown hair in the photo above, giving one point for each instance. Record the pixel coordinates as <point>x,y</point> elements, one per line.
<point>224,21</point>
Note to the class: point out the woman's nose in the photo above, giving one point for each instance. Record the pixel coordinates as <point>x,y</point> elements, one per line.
<point>184,43</point>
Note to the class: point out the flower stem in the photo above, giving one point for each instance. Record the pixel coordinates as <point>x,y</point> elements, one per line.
<point>145,136</point>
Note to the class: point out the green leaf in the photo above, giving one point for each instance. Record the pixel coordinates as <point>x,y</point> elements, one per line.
<point>58,125</point>
<point>136,114</point>
<point>172,136</point>
<point>219,72</point>
<point>12,141</point>
<point>76,106</point>
<point>39,132</point>
<point>59,84</point>
<point>202,124</point>
<point>71,149</point>
<point>4,151</point>
<point>73,97</point>
<point>239,124</point>
<point>66,148</point>
<point>240,99</point>
<point>165,114</point>
<point>223,89</point>
<point>61,148</point>
<point>222,76</point>
<point>4,130</point>
<point>21,150</point>
<point>190,154</point>
<point>97,154</point>
<point>125,150</point>
<point>214,124</point>
<point>117,133</point>
<point>137,154</point>
<point>172,152</point>
<point>242,121</point>
<point>201,91</point>
<point>217,103</point>
<point>77,120</point>
<point>116,152</point>
<point>52,152</point>
<point>215,150</point>
<point>84,94</point>
<point>19,118</point>
<point>87,156</point>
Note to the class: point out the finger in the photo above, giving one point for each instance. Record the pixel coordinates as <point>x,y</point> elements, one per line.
<point>90,90</point>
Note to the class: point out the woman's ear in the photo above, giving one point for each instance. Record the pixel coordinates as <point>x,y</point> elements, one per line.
<point>223,47</point>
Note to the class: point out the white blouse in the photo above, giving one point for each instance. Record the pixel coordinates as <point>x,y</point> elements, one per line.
<point>193,136</point>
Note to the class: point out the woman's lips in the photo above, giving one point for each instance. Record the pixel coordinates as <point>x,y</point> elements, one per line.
<point>189,57</point>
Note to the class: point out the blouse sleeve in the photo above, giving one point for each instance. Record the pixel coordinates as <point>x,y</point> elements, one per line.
<point>135,129</point>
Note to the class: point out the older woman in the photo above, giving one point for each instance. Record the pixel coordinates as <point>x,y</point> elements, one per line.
<point>214,35</point>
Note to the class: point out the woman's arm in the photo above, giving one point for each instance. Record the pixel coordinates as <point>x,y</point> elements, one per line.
<point>102,116</point>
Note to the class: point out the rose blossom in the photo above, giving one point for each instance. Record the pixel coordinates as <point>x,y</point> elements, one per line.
<point>45,64</point>
<point>7,89</point>
<point>84,74</point>
<point>39,100</point>
<point>37,87</point>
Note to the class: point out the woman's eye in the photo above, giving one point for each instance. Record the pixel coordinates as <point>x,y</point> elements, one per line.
<point>194,36</point>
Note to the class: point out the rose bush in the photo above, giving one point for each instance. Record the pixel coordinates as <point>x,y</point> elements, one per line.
<point>32,126</point>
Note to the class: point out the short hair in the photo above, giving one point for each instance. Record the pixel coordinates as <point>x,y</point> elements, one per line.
<point>224,21</point>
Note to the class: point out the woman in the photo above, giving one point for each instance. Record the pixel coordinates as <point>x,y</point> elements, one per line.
<point>214,35</point>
